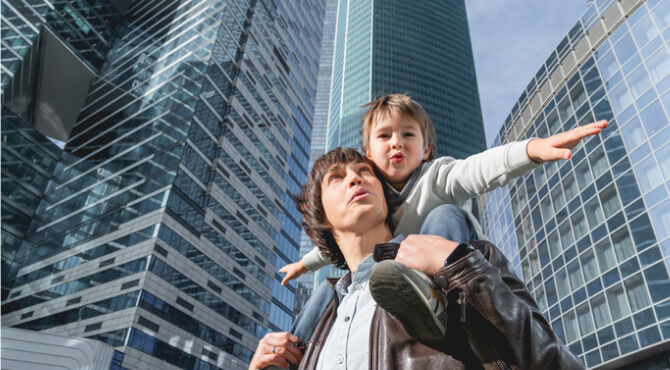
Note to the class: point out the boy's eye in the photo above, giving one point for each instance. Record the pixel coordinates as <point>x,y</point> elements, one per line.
<point>409,134</point>
<point>383,136</point>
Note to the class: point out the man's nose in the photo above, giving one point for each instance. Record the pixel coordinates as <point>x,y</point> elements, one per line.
<point>354,179</point>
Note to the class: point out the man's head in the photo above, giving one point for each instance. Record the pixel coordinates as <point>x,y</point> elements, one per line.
<point>343,194</point>
<point>397,135</point>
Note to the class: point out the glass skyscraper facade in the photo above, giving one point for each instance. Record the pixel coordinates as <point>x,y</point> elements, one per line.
<point>306,282</point>
<point>159,224</point>
<point>590,236</point>
<point>420,48</point>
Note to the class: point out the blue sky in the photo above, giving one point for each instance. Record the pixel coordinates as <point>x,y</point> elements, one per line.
<point>510,39</point>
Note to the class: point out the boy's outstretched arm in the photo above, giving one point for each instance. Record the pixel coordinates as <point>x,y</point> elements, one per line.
<point>558,146</point>
<point>293,271</point>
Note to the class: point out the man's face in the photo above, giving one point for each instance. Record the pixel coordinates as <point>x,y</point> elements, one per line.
<point>397,147</point>
<point>352,197</point>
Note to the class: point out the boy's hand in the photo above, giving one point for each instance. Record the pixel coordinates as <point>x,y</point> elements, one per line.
<point>558,146</point>
<point>292,271</point>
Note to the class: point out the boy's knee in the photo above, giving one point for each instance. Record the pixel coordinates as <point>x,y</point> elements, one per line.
<point>450,222</point>
<point>446,212</point>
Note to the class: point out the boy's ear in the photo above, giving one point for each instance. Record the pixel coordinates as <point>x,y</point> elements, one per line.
<point>426,152</point>
<point>368,154</point>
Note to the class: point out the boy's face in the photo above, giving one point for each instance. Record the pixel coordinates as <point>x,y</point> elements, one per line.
<point>397,147</point>
<point>352,197</point>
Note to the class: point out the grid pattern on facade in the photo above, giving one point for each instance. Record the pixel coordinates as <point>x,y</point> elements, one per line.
<point>591,236</point>
<point>178,179</point>
<point>422,49</point>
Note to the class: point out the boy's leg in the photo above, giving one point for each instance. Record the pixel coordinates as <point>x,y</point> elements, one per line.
<point>412,296</point>
<point>449,222</point>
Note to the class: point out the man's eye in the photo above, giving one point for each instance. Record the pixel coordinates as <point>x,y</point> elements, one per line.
<point>334,177</point>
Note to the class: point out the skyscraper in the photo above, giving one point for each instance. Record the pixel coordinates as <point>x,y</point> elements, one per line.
<point>591,236</point>
<point>168,210</point>
<point>305,283</point>
<point>418,47</point>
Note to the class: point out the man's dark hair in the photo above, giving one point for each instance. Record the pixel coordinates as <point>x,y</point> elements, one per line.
<point>309,202</point>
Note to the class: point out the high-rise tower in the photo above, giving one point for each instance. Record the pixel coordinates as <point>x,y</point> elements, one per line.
<point>591,236</point>
<point>421,48</point>
<point>165,216</point>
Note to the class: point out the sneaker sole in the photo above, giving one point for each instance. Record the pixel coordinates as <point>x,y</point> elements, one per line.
<point>393,289</point>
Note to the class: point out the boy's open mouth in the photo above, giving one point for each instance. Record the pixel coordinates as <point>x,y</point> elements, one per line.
<point>397,158</point>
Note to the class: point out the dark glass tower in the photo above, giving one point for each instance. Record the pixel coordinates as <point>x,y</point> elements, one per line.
<point>591,236</point>
<point>420,48</point>
<point>165,216</point>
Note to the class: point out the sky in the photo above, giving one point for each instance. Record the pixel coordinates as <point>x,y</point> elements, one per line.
<point>510,40</point>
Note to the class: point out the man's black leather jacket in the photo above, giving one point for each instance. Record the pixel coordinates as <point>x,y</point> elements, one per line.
<point>491,319</point>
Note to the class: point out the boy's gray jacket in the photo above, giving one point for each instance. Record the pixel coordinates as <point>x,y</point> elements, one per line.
<point>446,180</point>
<point>492,322</point>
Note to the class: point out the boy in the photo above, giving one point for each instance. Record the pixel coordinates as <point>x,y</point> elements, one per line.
<point>399,138</point>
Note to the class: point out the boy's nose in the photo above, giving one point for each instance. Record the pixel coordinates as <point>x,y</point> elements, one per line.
<point>396,143</point>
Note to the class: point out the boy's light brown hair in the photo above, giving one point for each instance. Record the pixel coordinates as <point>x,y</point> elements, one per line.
<point>403,105</point>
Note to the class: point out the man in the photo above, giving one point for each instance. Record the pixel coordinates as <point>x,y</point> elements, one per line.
<point>490,319</point>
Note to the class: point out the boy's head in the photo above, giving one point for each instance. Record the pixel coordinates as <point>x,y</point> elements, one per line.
<point>342,187</point>
<point>397,135</point>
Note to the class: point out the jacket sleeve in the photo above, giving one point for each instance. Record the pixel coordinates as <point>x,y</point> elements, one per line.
<point>458,180</point>
<point>314,260</point>
<point>501,319</point>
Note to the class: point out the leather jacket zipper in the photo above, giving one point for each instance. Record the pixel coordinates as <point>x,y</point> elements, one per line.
<point>463,303</point>
<point>372,351</point>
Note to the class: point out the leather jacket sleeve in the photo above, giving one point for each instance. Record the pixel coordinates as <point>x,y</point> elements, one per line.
<point>503,324</point>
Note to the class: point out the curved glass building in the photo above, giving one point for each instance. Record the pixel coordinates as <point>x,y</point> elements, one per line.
<point>591,236</point>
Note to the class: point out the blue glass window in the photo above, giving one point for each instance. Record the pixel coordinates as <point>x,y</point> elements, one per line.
<point>658,282</point>
<point>654,118</point>
<point>608,65</point>
<point>659,65</point>
<point>625,48</point>
<point>617,302</point>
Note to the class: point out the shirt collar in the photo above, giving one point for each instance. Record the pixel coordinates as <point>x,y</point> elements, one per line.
<point>362,274</point>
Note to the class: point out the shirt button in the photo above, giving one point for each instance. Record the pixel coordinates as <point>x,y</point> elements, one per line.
<point>340,359</point>
<point>346,318</point>
<point>358,286</point>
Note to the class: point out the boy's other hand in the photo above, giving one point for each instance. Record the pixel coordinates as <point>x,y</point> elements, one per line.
<point>292,271</point>
<point>558,146</point>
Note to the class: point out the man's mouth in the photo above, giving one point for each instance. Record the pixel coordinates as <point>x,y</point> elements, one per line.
<point>358,195</point>
<point>397,158</point>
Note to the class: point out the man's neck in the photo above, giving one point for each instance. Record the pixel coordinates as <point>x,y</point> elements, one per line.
<point>355,246</point>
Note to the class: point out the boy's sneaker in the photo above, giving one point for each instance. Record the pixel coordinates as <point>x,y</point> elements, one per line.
<point>411,297</point>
